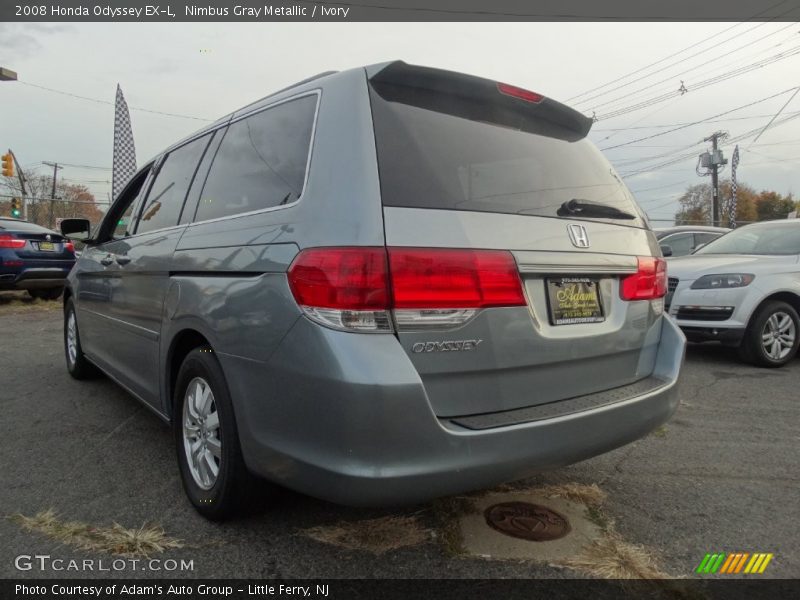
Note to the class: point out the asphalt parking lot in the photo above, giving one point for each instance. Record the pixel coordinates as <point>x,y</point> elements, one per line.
<point>721,476</point>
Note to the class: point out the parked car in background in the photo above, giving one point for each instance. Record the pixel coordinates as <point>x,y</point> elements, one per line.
<point>743,289</point>
<point>685,239</point>
<point>378,287</point>
<point>33,258</point>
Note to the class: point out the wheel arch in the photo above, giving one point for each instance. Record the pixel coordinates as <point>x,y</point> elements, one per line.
<point>791,298</point>
<point>182,343</point>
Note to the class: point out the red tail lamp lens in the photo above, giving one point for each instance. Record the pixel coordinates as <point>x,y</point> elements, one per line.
<point>649,282</point>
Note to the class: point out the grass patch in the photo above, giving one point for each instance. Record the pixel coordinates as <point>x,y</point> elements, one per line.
<point>447,512</point>
<point>588,495</point>
<point>661,432</point>
<point>599,518</point>
<point>116,539</point>
<point>611,557</point>
<point>21,302</point>
<point>376,536</point>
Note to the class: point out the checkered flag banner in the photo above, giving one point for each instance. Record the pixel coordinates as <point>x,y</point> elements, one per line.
<point>124,164</point>
<point>732,204</point>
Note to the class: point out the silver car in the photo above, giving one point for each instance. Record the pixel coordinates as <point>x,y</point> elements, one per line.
<point>743,289</point>
<point>379,286</point>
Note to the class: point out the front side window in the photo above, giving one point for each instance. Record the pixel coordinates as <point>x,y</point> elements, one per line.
<point>164,202</point>
<point>261,162</point>
<point>121,214</point>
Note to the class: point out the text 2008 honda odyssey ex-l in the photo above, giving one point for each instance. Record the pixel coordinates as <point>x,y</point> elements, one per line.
<point>380,286</point>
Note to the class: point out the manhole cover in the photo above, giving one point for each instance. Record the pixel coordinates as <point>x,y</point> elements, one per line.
<point>527,521</point>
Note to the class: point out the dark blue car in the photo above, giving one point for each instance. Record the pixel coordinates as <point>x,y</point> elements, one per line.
<point>33,258</point>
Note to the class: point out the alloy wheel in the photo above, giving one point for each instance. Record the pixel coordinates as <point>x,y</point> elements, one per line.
<point>778,335</point>
<point>201,434</point>
<point>72,338</point>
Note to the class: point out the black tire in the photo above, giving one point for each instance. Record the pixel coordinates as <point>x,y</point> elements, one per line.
<point>233,484</point>
<point>47,294</point>
<point>80,367</point>
<point>752,348</point>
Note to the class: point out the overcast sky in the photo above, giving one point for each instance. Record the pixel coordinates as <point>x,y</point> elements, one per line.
<point>207,70</point>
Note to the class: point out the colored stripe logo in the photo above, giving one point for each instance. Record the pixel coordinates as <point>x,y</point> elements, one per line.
<point>734,563</point>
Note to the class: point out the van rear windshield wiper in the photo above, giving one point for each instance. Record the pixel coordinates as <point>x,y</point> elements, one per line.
<point>584,208</point>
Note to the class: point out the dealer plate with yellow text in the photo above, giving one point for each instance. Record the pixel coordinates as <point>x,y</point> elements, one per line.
<point>574,300</point>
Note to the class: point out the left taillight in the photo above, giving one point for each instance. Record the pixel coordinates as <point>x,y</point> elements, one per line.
<point>9,241</point>
<point>648,283</point>
<point>344,288</point>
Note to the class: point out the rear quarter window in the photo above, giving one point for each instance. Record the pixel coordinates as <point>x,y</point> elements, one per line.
<point>261,162</point>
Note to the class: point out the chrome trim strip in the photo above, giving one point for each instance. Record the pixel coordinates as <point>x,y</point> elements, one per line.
<point>572,269</point>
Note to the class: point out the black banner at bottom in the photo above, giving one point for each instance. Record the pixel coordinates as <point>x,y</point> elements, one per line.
<point>388,589</point>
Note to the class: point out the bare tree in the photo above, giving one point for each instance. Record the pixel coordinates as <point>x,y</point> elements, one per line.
<point>72,200</point>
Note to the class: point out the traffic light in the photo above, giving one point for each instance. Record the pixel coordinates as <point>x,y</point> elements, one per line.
<point>8,164</point>
<point>16,208</point>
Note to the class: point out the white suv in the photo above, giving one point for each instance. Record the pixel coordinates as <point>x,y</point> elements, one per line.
<point>742,289</point>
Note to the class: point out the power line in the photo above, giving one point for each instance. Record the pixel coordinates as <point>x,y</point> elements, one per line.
<point>109,103</point>
<point>679,159</point>
<point>655,135</point>
<point>683,60</point>
<point>85,166</point>
<point>702,84</point>
<point>660,187</point>
<point>679,124</point>
<point>780,110</point>
<point>675,53</point>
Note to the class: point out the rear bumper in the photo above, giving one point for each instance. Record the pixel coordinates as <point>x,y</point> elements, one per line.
<point>34,278</point>
<point>348,421</point>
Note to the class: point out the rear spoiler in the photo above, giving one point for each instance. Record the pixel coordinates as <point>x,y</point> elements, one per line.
<point>477,99</point>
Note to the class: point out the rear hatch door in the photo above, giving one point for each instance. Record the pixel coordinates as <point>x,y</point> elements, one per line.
<point>466,163</point>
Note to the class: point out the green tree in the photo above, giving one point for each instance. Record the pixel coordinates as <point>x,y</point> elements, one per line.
<point>772,205</point>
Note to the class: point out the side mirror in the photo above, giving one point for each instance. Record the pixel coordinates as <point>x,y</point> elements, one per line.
<point>76,229</point>
<point>666,250</point>
<point>696,248</point>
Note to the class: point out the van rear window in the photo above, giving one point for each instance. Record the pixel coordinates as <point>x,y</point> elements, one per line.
<point>442,159</point>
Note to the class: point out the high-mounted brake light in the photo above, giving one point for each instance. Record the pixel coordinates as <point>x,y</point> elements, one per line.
<point>648,283</point>
<point>355,288</point>
<point>9,241</point>
<point>516,92</point>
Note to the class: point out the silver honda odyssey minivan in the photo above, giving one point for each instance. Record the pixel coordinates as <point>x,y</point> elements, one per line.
<point>377,287</point>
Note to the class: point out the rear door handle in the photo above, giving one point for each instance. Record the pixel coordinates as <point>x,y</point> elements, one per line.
<point>123,260</point>
<point>107,260</point>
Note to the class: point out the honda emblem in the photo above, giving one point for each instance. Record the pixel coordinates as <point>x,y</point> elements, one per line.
<point>578,235</point>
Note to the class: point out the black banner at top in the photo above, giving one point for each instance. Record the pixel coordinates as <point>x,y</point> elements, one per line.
<point>255,11</point>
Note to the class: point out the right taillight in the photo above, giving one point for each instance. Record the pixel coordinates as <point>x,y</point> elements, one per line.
<point>356,288</point>
<point>648,283</point>
<point>9,241</point>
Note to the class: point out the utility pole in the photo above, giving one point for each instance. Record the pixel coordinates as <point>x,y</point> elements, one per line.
<point>56,167</point>
<point>713,161</point>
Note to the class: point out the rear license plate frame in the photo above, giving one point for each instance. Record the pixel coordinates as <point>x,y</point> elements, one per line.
<point>47,247</point>
<point>572,307</point>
